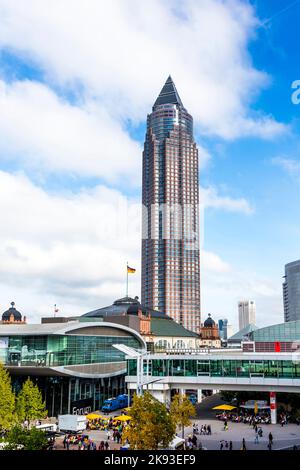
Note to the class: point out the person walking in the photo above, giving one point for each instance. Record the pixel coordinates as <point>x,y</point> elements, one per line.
<point>221,445</point>
<point>271,438</point>
<point>230,445</point>
<point>209,429</point>
<point>244,444</point>
<point>106,445</point>
<point>256,438</point>
<point>108,434</point>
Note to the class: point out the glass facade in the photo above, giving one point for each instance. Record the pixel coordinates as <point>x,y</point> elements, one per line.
<point>74,395</point>
<point>284,332</point>
<point>63,350</point>
<point>170,242</point>
<point>291,292</point>
<point>217,368</point>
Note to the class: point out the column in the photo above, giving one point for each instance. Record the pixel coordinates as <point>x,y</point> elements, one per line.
<point>69,397</point>
<point>273,407</point>
<point>199,395</point>
<point>167,398</point>
<point>128,395</point>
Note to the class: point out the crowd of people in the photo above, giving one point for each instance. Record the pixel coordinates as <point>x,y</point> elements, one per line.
<point>83,442</point>
<point>246,418</point>
<point>205,429</point>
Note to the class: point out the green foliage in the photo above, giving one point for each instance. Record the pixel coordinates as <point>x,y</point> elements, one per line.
<point>227,395</point>
<point>151,426</point>
<point>7,400</point>
<point>181,411</point>
<point>30,404</point>
<point>33,439</point>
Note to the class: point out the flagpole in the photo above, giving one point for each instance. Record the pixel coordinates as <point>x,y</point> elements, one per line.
<point>127,280</point>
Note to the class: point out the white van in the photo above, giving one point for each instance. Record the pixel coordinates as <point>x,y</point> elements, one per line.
<point>177,444</point>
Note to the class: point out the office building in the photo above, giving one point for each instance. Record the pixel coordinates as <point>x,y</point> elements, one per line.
<point>247,313</point>
<point>291,292</point>
<point>170,240</point>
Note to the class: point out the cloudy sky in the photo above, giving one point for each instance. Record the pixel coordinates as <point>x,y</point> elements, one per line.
<point>77,79</point>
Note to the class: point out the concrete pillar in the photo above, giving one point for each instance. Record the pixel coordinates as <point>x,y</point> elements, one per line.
<point>167,397</point>
<point>69,397</point>
<point>199,395</point>
<point>273,407</point>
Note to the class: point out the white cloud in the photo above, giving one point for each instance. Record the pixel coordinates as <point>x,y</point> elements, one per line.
<point>221,291</point>
<point>71,249</point>
<point>291,166</point>
<point>212,262</point>
<point>120,53</point>
<point>209,198</point>
<point>66,247</point>
<point>45,132</point>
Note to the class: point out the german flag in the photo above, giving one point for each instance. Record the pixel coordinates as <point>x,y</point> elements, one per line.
<point>130,270</point>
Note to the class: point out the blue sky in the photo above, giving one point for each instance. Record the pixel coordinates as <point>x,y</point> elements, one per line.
<point>74,97</point>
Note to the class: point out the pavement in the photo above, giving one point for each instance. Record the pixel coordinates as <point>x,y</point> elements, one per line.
<point>283,437</point>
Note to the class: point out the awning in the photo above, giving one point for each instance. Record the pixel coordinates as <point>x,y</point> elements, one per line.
<point>251,407</point>
<point>123,418</point>
<point>92,416</point>
<point>224,407</point>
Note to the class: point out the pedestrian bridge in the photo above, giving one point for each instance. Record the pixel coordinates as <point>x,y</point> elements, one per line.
<point>220,369</point>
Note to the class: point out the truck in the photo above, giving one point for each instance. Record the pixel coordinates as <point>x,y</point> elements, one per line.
<point>72,423</point>
<point>112,404</point>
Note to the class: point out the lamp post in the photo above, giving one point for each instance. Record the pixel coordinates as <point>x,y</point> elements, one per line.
<point>139,356</point>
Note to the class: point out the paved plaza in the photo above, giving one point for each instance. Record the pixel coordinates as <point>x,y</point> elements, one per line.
<point>283,437</point>
<point>288,435</point>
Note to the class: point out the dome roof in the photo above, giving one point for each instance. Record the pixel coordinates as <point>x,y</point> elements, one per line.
<point>12,311</point>
<point>125,306</point>
<point>209,323</point>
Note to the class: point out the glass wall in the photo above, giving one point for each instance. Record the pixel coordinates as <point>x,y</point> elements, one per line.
<point>64,350</point>
<point>218,368</point>
<point>282,332</point>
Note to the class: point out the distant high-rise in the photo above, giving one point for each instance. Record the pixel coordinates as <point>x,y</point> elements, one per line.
<point>247,313</point>
<point>170,245</point>
<point>291,292</point>
<point>225,330</point>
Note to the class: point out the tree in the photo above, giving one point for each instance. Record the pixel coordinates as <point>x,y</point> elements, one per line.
<point>7,400</point>
<point>29,439</point>
<point>30,404</point>
<point>151,425</point>
<point>181,411</point>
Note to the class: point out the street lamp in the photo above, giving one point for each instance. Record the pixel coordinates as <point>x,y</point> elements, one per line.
<point>134,354</point>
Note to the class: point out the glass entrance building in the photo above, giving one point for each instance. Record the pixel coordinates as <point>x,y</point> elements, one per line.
<point>75,364</point>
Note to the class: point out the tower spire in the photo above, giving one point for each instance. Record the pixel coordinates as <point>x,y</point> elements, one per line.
<point>168,94</point>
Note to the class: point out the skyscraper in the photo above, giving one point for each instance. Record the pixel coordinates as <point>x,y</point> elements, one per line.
<point>170,244</point>
<point>291,292</point>
<point>247,313</point>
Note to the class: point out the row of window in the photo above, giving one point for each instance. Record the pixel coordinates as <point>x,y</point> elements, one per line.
<point>217,368</point>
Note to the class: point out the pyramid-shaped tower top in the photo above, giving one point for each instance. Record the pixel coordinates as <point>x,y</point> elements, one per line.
<point>168,94</point>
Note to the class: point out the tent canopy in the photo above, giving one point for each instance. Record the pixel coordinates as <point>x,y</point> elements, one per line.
<point>123,418</point>
<point>224,407</point>
<point>92,416</point>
